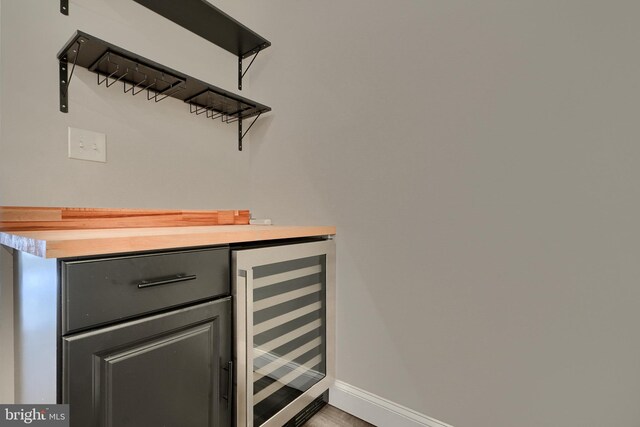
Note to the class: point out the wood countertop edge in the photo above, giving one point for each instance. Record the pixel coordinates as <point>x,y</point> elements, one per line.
<point>30,245</point>
<point>85,243</point>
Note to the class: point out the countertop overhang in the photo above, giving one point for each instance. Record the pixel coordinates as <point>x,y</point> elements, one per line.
<point>76,243</point>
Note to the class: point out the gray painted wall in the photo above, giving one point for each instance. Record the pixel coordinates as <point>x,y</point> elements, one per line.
<point>6,297</point>
<point>159,155</point>
<point>481,162</point>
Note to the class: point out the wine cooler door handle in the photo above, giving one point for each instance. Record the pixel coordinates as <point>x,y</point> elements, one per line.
<point>243,296</point>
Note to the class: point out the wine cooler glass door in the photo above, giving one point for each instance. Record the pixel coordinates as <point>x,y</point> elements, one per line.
<point>284,317</point>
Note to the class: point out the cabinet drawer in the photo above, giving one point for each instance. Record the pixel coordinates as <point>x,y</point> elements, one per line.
<point>103,290</point>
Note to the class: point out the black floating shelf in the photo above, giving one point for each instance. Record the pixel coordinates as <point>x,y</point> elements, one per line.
<point>209,22</point>
<point>113,64</point>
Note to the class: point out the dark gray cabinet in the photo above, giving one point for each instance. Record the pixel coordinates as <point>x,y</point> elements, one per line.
<point>168,370</point>
<point>138,340</point>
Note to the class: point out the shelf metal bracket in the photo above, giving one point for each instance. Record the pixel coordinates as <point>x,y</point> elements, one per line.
<point>65,77</point>
<point>64,7</point>
<point>242,73</point>
<point>241,135</point>
<point>64,86</point>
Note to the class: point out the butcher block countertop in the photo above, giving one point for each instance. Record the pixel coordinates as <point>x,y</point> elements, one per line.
<point>74,232</point>
<point>73,243</point>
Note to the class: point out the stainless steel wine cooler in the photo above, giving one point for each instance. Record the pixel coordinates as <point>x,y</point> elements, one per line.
<point>285,329</point>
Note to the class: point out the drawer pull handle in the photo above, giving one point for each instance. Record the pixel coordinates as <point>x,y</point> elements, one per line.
<point>178,278</point>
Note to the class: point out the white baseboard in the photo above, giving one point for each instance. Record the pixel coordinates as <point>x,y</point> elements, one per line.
<point>377,410</point>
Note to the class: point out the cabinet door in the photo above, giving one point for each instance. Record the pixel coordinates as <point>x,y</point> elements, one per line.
<point>284,328</point>
<point>170,369</point>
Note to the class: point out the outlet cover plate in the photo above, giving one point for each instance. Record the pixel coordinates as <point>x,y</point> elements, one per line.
<point>87,145</point>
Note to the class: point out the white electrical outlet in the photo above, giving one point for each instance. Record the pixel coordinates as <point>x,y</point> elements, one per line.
<point>87,145</point>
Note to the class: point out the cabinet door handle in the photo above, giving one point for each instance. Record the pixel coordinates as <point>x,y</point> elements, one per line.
<point>176,279</point>
<point>228,396</point>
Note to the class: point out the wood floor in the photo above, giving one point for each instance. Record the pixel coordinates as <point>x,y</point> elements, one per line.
<point>330,416</point>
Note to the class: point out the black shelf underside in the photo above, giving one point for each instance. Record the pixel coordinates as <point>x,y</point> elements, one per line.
<point>114,64</point>
<point>209,22</point>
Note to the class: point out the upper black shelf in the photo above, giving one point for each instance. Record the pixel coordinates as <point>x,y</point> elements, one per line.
<point>209,22</point>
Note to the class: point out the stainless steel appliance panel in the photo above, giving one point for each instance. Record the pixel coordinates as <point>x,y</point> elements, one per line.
<point>285,331</point>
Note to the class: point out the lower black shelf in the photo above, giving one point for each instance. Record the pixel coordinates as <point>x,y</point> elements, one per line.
<point>113,64</point>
